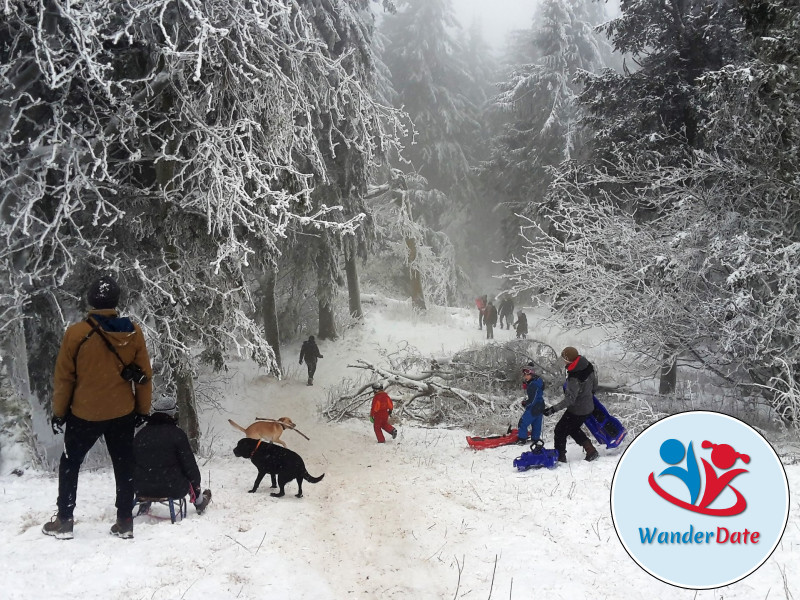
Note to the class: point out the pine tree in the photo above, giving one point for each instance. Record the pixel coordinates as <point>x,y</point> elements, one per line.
<point>538,107</point>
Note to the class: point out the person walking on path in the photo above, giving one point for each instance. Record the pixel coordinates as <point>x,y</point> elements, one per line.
<point>579,391</point>
<point>521,325</point>
<point>310,353</point>
<point>165,466</point>
<point>480,303</point>
<point>380,412</point>
<point>101,387</point>
<point>506,311</point>
<point>490,318</point>
<point>533,404</point>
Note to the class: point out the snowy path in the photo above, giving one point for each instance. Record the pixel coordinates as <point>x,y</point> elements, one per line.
<point>387,521</point>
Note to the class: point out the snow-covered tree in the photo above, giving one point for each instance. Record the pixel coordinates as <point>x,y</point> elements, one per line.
<point>537,105</point>
<point>698,256</point>
<point>173,143</point>
<point>430,78</point>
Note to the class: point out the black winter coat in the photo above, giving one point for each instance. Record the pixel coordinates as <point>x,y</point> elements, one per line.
<point>310,352</point>
<point>165,464</point>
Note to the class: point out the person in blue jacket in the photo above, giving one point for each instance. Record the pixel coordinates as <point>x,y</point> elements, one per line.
<point>534,405</point>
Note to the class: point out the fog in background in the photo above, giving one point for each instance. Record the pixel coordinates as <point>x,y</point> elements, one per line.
<point>496,17</point>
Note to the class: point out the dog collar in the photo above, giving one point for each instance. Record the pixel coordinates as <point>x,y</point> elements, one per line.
<point>254,449</point>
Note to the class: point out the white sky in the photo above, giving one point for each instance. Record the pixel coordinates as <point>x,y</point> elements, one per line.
<point>497,17</point>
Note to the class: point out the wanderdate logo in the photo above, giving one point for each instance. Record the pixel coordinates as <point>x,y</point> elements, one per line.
<point>700,500</point>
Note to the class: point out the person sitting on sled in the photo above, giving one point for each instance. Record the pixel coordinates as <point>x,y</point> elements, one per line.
<point>533,404</point>
<point>578,399</point>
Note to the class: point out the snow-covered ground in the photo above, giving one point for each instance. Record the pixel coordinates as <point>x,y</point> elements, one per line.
<point>419,517</point>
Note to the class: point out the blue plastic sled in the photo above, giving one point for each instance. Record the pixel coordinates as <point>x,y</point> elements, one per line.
<point>605,428</point>
<point>538,457</point>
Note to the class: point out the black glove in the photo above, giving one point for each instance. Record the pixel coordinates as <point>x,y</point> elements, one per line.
<point>57,423</point>
<point>139,420</point>
<point>321,356</point>
<point>525,403</point>
<point>549,410</point>
<point>300,362</point>
<point>390,412</point>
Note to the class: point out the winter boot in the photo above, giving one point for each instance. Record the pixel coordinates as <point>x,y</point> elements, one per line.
<point>310,381</point>
<point>591,453</point>
<point>562,456</point>
<point>394,433</point>
<point>202,502</point>
<point>123,528</point>
<point>59,528</point>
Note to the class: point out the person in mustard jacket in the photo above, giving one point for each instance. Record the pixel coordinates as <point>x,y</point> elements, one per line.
<point>379,413</point>
<point>102,387</point>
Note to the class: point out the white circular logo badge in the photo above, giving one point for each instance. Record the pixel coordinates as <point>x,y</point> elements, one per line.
<point>700,500</point>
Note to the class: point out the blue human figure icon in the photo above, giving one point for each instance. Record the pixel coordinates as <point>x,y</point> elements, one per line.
<point>672,453</point>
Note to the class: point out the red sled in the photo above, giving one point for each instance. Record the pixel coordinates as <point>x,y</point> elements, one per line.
<point>479,443</point>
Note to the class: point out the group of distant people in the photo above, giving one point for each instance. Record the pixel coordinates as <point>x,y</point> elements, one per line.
<point>488,315</point>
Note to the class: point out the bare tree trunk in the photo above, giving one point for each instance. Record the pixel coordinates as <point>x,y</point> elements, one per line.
<point>270,316</point>
<point>353,288</point>
<point>187,408</point>
<point>669,374</point>
<point>414,278</point>
<point>327,326</point>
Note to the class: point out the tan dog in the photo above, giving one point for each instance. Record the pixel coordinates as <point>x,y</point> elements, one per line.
<point>266,429</point>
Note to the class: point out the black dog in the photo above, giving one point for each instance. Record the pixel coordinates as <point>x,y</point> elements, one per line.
<point>275,460</point>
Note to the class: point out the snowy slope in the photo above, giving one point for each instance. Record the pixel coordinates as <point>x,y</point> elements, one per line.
<point>419,517</point>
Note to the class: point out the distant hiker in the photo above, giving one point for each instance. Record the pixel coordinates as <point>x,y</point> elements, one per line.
<point>490,318</point>
<point>480,302</point>
<point>101,388</point>
<point>506,311</point>
<point>534,405</point>
<point>578,399</point>
<point>380,412</point>
<point>165,464</point>
<point>521,325</point>
<point>310,352</point>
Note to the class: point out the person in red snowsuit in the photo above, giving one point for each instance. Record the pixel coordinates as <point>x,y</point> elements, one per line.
<point>379,413</point>
<point>480,303</point>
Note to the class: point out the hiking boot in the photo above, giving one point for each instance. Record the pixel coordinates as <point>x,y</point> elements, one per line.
<point>202,502</point>
<point>591,452</point>
<point>123,528</point>
<point>59,528</point>
<point>394,434</point>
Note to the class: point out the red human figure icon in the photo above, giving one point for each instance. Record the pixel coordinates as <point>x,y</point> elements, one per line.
<point>724,457</point>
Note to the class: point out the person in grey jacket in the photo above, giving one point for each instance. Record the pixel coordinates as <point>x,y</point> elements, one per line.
<point>578,400</point>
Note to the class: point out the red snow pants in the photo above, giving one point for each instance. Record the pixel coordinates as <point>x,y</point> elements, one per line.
<point>381,422</point>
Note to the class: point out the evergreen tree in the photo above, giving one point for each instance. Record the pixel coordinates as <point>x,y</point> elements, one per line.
<point>538,108</point>
<point>430,77</point>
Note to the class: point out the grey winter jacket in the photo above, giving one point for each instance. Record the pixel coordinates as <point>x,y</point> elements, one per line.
<point>579,388</point>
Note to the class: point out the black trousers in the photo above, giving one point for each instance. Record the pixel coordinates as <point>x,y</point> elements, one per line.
<point>569,425</point>
<point>312,368</point>
<point>79,437</point>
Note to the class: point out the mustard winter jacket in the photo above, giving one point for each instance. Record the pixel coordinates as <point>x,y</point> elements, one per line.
<point>87,374</point>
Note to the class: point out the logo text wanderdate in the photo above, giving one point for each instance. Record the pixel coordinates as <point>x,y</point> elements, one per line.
<point>721,536</point>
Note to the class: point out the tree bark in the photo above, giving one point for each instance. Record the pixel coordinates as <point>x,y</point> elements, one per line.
<point>327,325</point>
<point>414,277</point>
<point>187,408</point>
<point>669,374</point>
<point>353,287</point>
<point>270,316</point>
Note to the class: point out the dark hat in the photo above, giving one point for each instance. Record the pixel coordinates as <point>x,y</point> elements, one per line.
<point>569,353</point>
<point>377,386</point>
<point>311,338</point>
<point>103,293</point>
